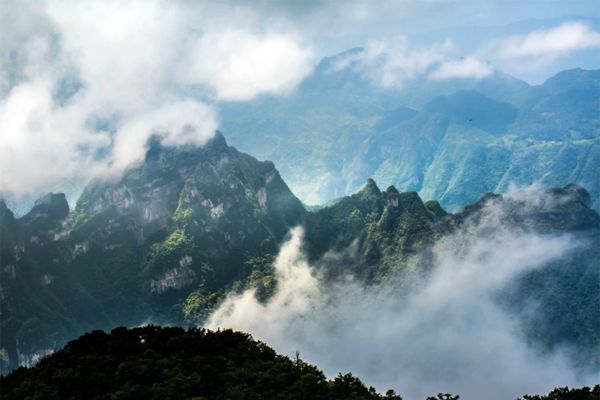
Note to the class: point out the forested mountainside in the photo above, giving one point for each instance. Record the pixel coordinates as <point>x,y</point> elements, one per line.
<point>171,363</point>
<point>169,239</point>
<point>449,140</point>
<point>134,249</point>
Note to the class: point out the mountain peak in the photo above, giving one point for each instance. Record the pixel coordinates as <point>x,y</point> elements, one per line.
<point>51,199</point>
<point>371,187</point>
<point>52,206</point>
<point>46,215</point>
<point>581,193</point>
<point>370,191</point>
<point>217,141</point>
<point>391,190</point>
<point>216,144</point>
<point>570,78</point>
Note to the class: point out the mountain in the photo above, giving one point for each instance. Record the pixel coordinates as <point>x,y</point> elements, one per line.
<point>392,233</point>
<point>34,287</point>
<point>185,220</point>
<point>170,238</point>
<point>449,140</point>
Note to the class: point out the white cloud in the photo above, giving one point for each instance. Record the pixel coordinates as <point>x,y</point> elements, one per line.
<point>394,64</point>
<point>444,333</point>
<point>565,38</point>
<point>83,85</point>
<point>468,67</point>
<point>178,122</point>
<point>298,294</point>
<point>119,55</point>
<point>239,65</point>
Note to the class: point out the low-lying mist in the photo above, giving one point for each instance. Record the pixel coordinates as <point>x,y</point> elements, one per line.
<point>418,333</point>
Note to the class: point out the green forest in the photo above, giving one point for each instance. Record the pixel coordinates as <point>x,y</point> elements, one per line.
<point>169,363</point>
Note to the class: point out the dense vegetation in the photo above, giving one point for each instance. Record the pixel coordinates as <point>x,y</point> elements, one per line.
<point>171,363</point>
<point>565,393</point>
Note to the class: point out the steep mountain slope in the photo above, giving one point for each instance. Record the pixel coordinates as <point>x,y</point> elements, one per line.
<point>184,220</point>
<point>449,140</point>
<point>554,139</point>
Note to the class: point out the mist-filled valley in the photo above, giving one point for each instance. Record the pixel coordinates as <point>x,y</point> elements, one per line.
<point>289,200</point>
<point>385,335</point>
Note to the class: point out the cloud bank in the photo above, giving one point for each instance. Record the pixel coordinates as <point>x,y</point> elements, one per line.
<point>564,38</point>
<point>238,66</point>
<point>395,63</point>
<point>419,336</point>
<point>84,85</point>
<point>469,67</point>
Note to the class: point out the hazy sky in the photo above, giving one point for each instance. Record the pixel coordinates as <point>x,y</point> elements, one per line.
<point>83,84</point>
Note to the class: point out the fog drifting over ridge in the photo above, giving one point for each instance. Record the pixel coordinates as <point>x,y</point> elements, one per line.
<point>416,335</point>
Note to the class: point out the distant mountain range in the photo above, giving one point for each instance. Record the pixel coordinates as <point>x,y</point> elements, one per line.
<point>449,140</point>
<point>169,239</point>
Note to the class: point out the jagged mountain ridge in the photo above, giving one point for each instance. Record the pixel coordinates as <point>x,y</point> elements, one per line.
<point>167,240</point>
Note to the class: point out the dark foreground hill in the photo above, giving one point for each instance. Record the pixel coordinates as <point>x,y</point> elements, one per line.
<point>171,363</point>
